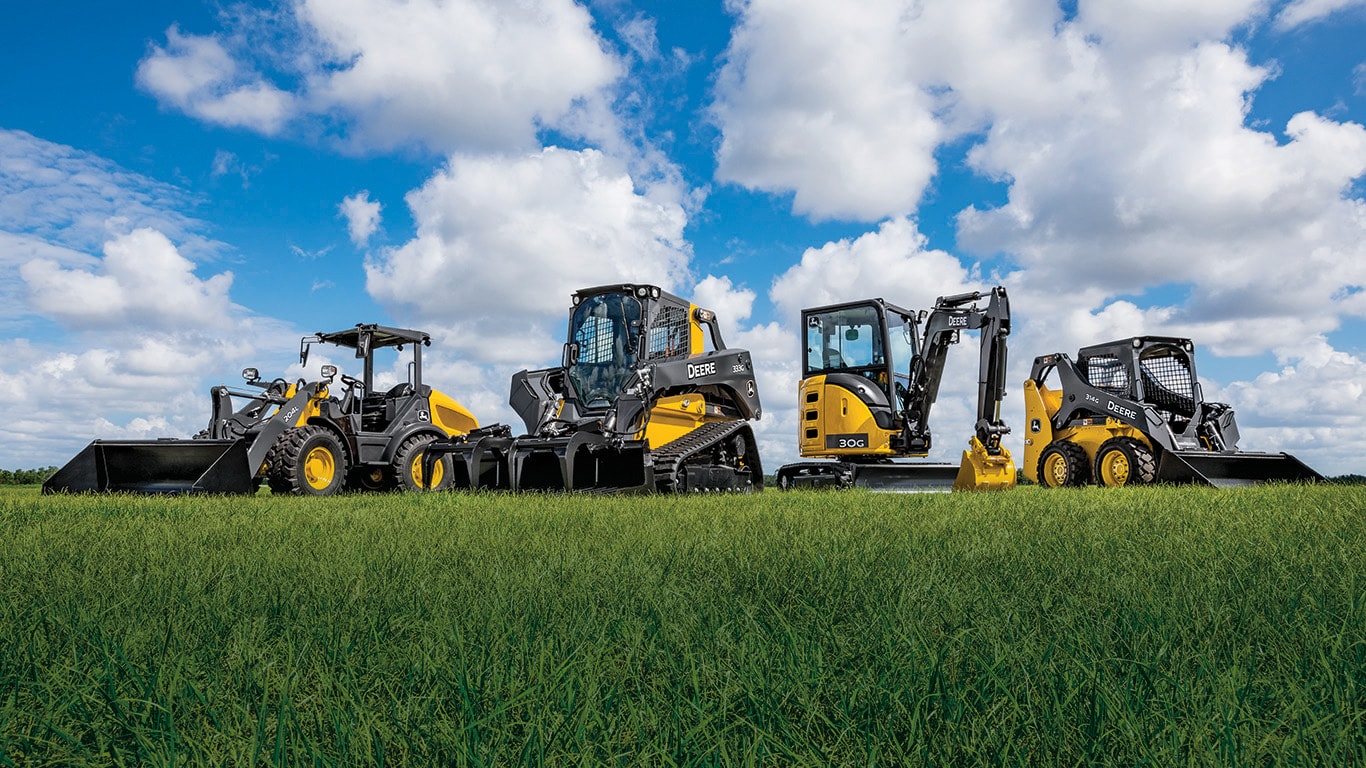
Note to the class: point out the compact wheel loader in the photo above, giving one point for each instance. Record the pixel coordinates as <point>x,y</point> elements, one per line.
<point>638,404</point>
<point>871,374</point>
<point>298,437</point>
<point>1131,412</point>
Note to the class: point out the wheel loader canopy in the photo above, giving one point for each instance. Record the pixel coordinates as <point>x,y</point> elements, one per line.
<point>365,338</point>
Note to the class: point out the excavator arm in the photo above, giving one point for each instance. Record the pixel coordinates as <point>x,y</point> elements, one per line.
<point>952,314</point>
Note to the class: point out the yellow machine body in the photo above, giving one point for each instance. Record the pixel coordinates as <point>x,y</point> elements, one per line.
<point>837,424</point>
<point>1041,405</point>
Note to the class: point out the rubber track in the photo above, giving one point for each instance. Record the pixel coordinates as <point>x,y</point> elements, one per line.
<point>669,458</point>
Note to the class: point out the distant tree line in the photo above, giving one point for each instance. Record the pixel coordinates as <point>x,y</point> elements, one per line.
<point>25,476</point>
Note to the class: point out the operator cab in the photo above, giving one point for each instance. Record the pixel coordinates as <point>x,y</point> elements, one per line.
<point>867,340</point>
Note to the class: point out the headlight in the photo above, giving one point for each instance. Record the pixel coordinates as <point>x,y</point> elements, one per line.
<point>251,374</point>
<point>329,371</point>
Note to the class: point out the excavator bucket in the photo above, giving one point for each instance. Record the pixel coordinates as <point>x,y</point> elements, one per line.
<point>984,471</point>
<point>1227,470</point>
<point>156,466</point>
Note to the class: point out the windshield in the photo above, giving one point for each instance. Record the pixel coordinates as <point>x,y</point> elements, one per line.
<point>843,338</point>
<point>603,331</point>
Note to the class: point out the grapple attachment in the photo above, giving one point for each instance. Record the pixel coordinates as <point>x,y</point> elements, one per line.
<point>581,461</point>
<point>156,466</point>
<point>1226,470</point>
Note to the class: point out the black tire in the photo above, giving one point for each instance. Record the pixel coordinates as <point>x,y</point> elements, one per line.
<point>370,479</point>
<point>306,461</point>
<point>1064,464</point>
<point>407,466</point>
<point>1124,461</point>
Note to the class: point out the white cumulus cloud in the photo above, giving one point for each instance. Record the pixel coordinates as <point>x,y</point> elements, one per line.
<point>362,217</point>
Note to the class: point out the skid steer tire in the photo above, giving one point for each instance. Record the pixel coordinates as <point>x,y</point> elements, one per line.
<point>1064,464</point>
<point>307,461</point>
<point>1124,461</point>
<point>407,466</point>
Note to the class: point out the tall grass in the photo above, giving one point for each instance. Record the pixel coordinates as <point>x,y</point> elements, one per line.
<point>1131,627</point>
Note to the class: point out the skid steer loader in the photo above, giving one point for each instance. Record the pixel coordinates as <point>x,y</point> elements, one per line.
<point>1131,412</point>
<point>638,404</point>
<point>298,437</point>
<point>870,378</point>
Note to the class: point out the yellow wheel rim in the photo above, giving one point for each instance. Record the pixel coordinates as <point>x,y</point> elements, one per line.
<point>438,472</point>
<point>1055,470</point>
<point>1114,468</point>
<point>320,467</point>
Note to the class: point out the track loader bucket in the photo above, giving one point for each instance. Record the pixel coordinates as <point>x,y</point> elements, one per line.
<point>583,461</point>
<point>1226,470</point>
<point>156,466</point>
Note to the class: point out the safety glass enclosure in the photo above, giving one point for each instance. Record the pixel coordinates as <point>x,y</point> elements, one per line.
<point>861,339</point>
<point>603,347</point>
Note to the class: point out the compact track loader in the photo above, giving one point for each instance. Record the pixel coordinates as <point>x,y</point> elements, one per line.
<point>297,436</point>
<point>638,404</point>
<point>870,378</point>
<point>1131,412</point>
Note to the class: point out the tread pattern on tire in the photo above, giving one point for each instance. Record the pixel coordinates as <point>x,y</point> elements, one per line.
<point>1142,463</point>
<point>403,459</point>
<point>283,458</point>
<point>1079,468</point>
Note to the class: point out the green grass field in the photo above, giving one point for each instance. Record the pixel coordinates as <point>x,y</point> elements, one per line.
<point>1159,626</point>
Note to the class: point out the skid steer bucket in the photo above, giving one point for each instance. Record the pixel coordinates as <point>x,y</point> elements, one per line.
<point>1232,469</point>
<point>583,461</point>
<point>156,466</point>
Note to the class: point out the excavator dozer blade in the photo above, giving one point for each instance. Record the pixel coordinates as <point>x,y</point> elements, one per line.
<point>156,466</point>
<point>906,478</point>
<point>582,461</point>
<point>1226,470</point>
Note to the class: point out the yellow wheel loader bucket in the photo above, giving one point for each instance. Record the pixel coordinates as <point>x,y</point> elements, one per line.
<point>156,466</point>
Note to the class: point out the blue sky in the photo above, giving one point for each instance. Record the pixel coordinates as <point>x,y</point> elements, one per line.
<point>187,189</point>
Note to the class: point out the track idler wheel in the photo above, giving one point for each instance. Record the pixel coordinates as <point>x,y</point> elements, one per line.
<point>306,461</point>
<point>407,466</point>
<point>1064,464</point>
<point>1124,461</point>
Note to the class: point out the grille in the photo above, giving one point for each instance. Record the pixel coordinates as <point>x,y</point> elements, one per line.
<point>1106,373</point>
<point>670,334</point>
<point>1168,384</point>
<point>595,340</point>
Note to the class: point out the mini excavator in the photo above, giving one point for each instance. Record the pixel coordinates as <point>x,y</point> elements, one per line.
<point>870,376</point>
<point>638,404</point>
